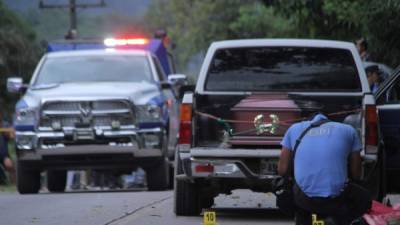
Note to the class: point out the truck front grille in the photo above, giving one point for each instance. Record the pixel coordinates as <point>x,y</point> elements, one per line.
<point>88,113</point>
<point>95,105</point>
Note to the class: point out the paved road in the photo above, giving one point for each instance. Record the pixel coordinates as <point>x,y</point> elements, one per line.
<point>130,208</point>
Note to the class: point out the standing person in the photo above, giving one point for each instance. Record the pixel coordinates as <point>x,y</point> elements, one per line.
<point>325,159</point>
<point>373,77</point>
<point>5,159</point>
<point>362,46</point>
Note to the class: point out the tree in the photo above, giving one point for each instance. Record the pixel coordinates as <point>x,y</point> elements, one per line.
<point>324,19</point>
<point>258,21</point>
<point>18,52</point>
<point>193,25</point>
<point>347,20</point>
<point>383,30</point>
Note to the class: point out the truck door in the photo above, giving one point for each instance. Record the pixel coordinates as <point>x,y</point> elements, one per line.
<point>388,106</point>
<point>173,110</point>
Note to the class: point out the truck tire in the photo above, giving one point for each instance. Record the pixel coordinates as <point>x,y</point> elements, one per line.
<point>56,180</point>
<point>186,199</point>
<point>190,197</point>
<point>28,179</point>
<point>158,176</point>
<point>171,177</point>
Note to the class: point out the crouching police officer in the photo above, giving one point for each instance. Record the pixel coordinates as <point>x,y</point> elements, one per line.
<point>326,157</point>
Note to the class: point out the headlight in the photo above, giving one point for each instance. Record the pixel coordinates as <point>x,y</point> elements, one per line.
<point>154,111</point>
<point>148,113</point>
<point>25,116</point>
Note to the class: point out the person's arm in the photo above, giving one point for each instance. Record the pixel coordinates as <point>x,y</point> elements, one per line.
<point>284,160</point>
<point>355,156</point>
<point>355,165</point>
<point>10,134</point>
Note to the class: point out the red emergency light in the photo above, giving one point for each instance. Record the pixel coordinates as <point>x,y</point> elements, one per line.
<point>112,42</point>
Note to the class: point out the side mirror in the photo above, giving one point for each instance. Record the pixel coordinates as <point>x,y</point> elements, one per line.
<point>15,85</point>
<point>177,79</point>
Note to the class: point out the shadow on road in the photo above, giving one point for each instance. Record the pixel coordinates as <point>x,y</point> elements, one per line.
<point>95,191</point>
<point>251,214</point>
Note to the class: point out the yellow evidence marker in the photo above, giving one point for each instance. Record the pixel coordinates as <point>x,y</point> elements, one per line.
<point>315,221</point>
<point>209,218</point>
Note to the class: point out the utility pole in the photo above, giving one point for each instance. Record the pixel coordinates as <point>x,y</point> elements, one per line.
<point>72,6</point>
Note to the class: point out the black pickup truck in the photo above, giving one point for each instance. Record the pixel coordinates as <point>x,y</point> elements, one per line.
<point>250,91</point>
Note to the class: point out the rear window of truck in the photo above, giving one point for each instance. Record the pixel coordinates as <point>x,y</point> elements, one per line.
<point>283,69</point>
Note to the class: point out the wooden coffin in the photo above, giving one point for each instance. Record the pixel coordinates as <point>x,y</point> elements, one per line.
<point>248,108</point>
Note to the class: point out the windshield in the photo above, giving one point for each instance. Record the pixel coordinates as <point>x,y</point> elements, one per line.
<point>283,69</point>
<point>118,68</point>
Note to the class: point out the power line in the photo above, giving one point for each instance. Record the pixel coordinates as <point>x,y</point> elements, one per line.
<point>72,6</point>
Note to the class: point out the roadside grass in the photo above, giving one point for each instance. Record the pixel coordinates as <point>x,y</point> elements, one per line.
<point>8,188</point>
<point>11,151</point>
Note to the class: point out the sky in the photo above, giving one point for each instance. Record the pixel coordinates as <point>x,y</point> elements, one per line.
<point>126,7</point>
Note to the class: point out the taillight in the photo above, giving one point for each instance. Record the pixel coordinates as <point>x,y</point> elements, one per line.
<point>371,122</point>
<point>185,127</point>
<point>204,168</point>
<point>185,133</point>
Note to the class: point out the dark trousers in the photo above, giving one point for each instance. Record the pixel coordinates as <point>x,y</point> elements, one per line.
<point>341,210</point>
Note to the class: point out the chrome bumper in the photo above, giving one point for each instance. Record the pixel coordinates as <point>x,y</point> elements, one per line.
<point>149,138</point>
<point>38,154</point>
<point>224,163</point>
<point>229,163</point>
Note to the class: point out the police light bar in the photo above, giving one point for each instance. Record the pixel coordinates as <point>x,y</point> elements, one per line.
<point>112,42</point>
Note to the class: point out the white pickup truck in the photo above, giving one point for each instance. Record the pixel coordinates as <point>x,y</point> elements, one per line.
<point>103,108</point>
<point>225,145</point>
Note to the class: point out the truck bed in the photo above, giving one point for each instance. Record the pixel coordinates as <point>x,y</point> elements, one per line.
<point>242,109</point>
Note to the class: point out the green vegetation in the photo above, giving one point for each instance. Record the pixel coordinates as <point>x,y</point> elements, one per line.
<point>347,20</point>
<point>383,29</point>
<point>8,188</point>
<point>193,25</point>
<point>18,52</point>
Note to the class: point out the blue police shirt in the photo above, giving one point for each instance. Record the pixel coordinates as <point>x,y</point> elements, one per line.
<point>374,88</point>
<point>321,158</point>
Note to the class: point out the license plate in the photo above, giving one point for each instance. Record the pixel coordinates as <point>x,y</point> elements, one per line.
<point>225,169</point>
<point>268,166</point>
<point>83,134</point>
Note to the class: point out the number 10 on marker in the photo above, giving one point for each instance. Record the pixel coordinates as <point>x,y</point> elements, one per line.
<point>209,218</point>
